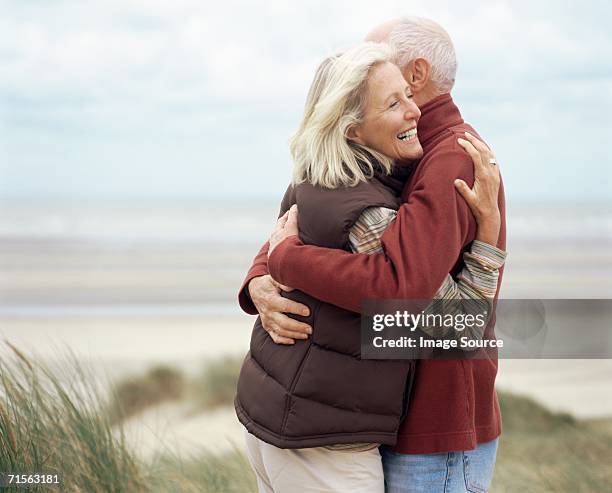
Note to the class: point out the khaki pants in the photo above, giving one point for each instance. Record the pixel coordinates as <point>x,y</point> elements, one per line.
<point>311,470</point>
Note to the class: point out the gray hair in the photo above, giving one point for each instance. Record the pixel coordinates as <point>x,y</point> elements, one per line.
<point>416,37</point>
<point>322,153</point>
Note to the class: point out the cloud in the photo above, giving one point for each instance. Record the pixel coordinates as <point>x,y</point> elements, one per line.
<point>143,84</point>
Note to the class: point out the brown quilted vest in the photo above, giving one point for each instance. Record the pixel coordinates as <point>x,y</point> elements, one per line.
<point>318,391</point>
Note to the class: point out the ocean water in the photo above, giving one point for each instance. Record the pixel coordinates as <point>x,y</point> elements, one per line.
<point>170,258</point>
<point>248,222</point>
<point>120,223</point>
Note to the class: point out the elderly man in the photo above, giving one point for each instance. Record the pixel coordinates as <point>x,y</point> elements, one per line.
<point>448,440</point>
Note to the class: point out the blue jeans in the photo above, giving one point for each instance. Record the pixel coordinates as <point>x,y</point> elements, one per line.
<point>453,472</point>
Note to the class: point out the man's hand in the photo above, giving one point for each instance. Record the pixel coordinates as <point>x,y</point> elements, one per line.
<point>285,226</point>
<point>265,293</point>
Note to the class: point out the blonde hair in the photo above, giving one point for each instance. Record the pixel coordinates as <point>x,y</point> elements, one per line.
<point>322,153</point>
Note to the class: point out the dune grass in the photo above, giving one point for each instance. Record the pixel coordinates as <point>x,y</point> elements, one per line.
<point>213,387</point>
<point>50,422</point>
<point>216,385</point>
<point>135,394</point>
<point>542,451</point>
<point>228,473</point>
<point>53,420</point>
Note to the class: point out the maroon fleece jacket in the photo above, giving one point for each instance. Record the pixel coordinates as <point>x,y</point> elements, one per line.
<point>453,405</point>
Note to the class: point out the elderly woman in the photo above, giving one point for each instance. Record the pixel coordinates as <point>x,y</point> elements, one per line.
<point>315,412</point>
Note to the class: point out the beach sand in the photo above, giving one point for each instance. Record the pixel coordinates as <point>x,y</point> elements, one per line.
<point>126,289</point>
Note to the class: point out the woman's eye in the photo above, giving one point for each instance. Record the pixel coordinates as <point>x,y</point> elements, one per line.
<point>409,96</point>
<point>394,104</point>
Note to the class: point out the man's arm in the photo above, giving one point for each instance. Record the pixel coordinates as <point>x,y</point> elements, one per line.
<point>473,290</point>
<point>260,294</point>
<point>421,247</point>
<point>259,267</point>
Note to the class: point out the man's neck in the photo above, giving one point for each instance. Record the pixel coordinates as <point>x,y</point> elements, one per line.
<point>438,114</point>
<point>426,95</point>
<point>431,102</point>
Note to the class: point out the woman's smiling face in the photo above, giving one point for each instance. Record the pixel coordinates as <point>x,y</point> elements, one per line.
<point>390,121</point>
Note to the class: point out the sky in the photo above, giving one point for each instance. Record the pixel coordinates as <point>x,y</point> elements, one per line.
<point>150,99</point>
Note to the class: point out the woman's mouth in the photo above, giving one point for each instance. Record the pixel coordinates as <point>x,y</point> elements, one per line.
<point>408,135</point>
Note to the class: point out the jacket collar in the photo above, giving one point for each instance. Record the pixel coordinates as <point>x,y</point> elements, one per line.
<point>436,116</point>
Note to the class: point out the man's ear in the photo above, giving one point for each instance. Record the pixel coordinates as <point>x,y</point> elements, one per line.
<point>417,74</point>
<point>354,134</point>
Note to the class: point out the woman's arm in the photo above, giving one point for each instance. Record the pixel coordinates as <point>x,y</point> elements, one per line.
<point>483,196</point>
<point>474,288</point>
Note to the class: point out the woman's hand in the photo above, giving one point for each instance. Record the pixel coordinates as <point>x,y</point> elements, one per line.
<point>285,226</point>
<point>482,198</point>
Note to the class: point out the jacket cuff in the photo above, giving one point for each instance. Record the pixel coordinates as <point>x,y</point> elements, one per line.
<point>276,261</point>
<point>244,298</point>
<point>488,255</point>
